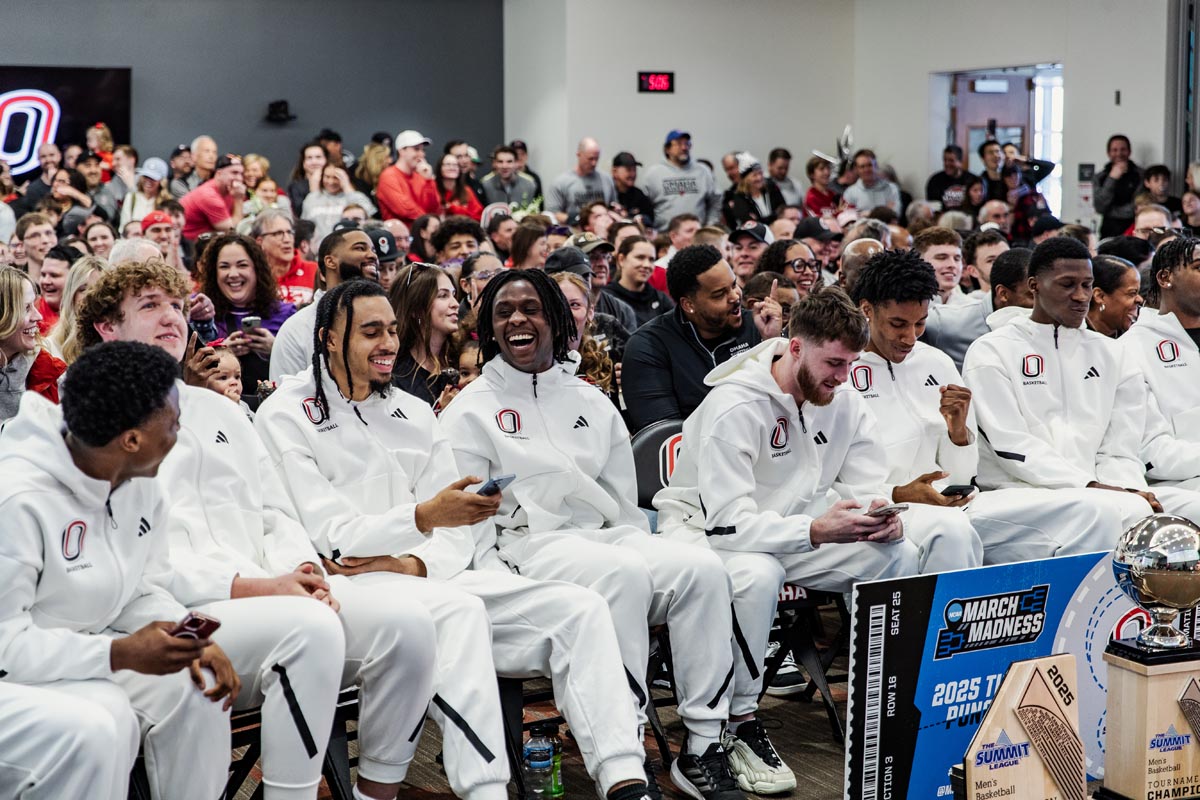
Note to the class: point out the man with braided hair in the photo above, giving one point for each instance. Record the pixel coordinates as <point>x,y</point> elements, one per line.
<point>373,480</point>
<point>571,514</point>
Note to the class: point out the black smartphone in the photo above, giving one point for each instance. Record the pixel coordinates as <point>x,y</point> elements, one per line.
<point>496,485</point>
<point>958,490</point>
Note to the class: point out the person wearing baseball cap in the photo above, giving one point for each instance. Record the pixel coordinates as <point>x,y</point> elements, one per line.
<point>522,150</point>
<point>1044,227</point>
<point>680,185</point>
<point>407,189</point>
<point>746,245</point>
<point>144,197</point>
<point>182,166</point>
<point>388,253</point>
<point>600,260</point>
<point>216,205</point>
<point>635,202</point>
<point>91,166</point>
<point>754,199</point>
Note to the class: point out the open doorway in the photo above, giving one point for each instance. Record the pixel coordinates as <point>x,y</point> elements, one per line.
<point>1022,105</point>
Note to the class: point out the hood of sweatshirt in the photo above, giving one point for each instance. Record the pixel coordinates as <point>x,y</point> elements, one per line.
<point>503,374</point>
<point>751,368</point>
<point>1005,315</point>
<point>33,444</point>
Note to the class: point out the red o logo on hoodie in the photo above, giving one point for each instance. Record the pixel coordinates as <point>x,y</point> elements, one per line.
<point>315,412</point>
<point>779,437</point>
<point>508,420</point>
<point>1031,366</point>
<point>72,539</point>
<point>860,376</point>
<point>1168,351</point>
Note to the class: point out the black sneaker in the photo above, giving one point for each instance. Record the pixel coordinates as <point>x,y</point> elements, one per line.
<point>706,777</point>
<point>755,762</point>
<point>653,790</point>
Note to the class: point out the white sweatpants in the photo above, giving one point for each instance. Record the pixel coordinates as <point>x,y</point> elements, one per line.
<point>1131,507</point>
<point>289,653</point>
<point>1028,524</point>
<point>648,580</point>
<point>62,744</point>
<point>758,577</point>
<point>391,650</point>
<point>565,632</point>
<point>466,700</point>
<point>944,537</point>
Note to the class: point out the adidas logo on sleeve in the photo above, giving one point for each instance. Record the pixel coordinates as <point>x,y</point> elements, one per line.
<point>581,423</point>
<point>1092,373</point>
<point>931,381</point>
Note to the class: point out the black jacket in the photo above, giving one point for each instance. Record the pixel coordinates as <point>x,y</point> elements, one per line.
<point>646,304</point>
<point>608,303</point>
<point>740,208</point>
<point>662,376</point>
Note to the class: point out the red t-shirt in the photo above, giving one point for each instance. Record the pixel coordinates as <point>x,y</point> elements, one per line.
<point>49,316</point>
<point>204,207</point>
<point>296,285</point>
<point>406,197</point>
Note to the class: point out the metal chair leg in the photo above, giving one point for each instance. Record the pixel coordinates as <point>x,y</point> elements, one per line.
<point>512,706</point>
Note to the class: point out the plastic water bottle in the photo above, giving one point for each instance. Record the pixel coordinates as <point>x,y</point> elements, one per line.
<point>538,756</point>
<point>550,731</point>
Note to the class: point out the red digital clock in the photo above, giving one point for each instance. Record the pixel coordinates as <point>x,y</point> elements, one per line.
<point>656,82</point>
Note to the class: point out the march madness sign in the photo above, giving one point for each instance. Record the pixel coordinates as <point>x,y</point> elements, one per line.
<point>928,654</point>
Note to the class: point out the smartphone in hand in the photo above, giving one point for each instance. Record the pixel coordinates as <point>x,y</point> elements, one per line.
<point>889,511</point>
<point>496,485</point>
<point>196,626</point>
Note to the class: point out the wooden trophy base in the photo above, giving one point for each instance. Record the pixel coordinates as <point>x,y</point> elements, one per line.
<point>1151,742</point>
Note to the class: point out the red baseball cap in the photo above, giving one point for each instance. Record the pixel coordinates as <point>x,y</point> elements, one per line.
<point>155,218</point>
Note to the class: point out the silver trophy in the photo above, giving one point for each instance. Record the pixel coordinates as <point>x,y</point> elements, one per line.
<point>1157,564</point>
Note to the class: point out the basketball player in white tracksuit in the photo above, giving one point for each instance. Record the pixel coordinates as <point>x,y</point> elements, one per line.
<point>1062,407</point>
<point>1163,345</point>
<point>927,426</point>
<point>360,474</point>
<point>753,481</point>
<point>54,745</point>
<point>232,536</point>
<point>83,565</point>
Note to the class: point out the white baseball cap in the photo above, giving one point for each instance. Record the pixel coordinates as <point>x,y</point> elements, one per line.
<point>411,139</point>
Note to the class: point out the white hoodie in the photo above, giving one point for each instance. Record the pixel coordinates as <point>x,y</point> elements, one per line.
<point>754,469</point>
<point>228,512</point>
<point>1170,364</point>
<point>356,474</point>
<point>77,557</point>
<point>561,437</point>
<point>1057,407</point>
<point>905,399</point>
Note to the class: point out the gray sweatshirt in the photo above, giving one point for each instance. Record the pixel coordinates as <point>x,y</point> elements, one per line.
<point>689,189</point>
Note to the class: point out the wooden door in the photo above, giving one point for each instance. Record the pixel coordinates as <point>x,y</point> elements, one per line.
<point>1011,109</point>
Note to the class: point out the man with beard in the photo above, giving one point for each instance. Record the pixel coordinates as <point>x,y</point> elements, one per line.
<point>679,185</point>
<point>571,514</point>
<point>344,255</point>
<point>1058,405</point>
<point>667,358</point>
<point>373,480</point>
<point>763,449</point>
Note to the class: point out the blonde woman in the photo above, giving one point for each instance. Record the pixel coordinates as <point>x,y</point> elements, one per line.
<point>62,340</point>
<point>595,365</point>
<point>374,160</point>
<point>25,364</point>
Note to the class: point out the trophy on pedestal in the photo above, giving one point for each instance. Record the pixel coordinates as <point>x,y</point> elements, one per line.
<point>1152,735</point>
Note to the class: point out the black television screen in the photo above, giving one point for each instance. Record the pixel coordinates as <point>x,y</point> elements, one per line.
<point>58,104</point>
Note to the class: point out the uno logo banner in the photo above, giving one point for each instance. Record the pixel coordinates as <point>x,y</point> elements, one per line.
<point>668,457</point>
<point>929,653</point>
<point>860,377</point>
<point>28,119</point>
<point>1032,366</point>
<point>1168,351</point>
<point>508,420</point>
<point>72,539</point>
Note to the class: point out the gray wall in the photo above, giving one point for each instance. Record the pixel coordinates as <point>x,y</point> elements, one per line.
<point>211,66</point>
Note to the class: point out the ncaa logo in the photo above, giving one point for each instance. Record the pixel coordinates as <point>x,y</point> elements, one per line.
<point>1031,366</point>
<point>508,420</point>
<point>72,539</point>
<point>779,436</point>
<point>29,118</point>
<point>316,414</point>
<point>668,457</point>
<point>860,377</point>
<point>1168,351</point>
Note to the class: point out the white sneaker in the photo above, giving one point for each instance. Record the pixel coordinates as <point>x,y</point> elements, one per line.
<point>755,763</point>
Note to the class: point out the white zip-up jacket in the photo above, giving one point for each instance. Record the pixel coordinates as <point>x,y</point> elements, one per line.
<point>356,472</point>
<point>228,512</point>
<point>79,560</point>
<point>905,399</point>
<point>1170,365</point>
<point>754,469</point>
<point>560,436</point>
<point>1057,408</point>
